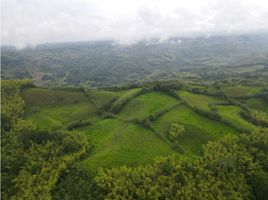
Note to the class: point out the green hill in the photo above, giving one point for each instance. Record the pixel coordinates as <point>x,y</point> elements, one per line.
<point>118,143</point>
<point>198,129</point>
<point>146,104</point>
<point>130,126</point>
<point>50,109</point>
<point>87,140</point>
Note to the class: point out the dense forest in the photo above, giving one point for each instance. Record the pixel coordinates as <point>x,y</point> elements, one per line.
<point>106,63</point>
<point>152,140</point>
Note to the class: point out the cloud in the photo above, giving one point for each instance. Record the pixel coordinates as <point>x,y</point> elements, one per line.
<point>31,22</point>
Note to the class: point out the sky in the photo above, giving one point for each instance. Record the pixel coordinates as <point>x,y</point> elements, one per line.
<point>32,22</point>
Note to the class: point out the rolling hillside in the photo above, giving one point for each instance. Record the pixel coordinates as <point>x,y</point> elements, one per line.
<point>106,63</point>
<point>131,126</point>
<point>86,140</point>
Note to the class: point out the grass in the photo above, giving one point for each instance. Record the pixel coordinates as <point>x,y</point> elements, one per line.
<point>58,116</point>
<point>41,97</point>
<point>115,142</point>
<point>120,143</point>
<point>257,104</point>
<point>125,97</point>
<point>241,91</point>
<point>210,89</point>
<point>198,129</point>
<point>198,100</point>
<point>102,97</point>
<point>146,104</point>
<point>232,113</point>
<point>51,109</point>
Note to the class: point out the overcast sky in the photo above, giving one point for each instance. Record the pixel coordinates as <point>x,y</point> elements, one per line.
<point>31,22</point>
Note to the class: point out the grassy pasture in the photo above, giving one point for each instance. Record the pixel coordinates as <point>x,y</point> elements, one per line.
<point>199,100</point>
<point>146,104</point>
<point>241,91</point>
<point>127,95</point>
<point>41,97</point>
<point>232,113</point>
<point>257,104</point>
<point>198,129</point>
<point>58,116</point>
<point>50,109</point>
<point>102,97</point>
<point>209,89</point>
<point>120,143</point>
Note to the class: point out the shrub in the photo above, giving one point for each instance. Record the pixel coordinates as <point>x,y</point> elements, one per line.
<point>78,124</point>
<point>259,183</point>
<point>175,131</point>
<point>255,117</point>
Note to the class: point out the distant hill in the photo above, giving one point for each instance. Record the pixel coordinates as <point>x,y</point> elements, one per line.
<point>106,63</point>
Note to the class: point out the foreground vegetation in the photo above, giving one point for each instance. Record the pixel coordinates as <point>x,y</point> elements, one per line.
<point>159,140</point>
<point>32,160</point>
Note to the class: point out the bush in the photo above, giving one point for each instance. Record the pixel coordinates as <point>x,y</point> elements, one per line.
<point>75,183</point>
<point>228,169</point>
<point>255,117</point>
<point>107,115</point>
<point>78,124</point>
<point>259,183</point>
<point>175,131</point>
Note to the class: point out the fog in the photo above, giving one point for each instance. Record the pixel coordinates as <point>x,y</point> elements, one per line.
<point>31,22</point>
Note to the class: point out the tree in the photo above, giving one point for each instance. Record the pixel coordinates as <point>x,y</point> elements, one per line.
<point>175,131</point>
<point>32,160</point>
<point>231,168</point>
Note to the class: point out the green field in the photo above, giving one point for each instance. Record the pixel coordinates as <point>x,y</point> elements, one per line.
<point>257,104</point>
<point>198,130</point>
<point>120,143</point>
<point>40,97</point>
<point>241,91</point>
<point>198,100</point>
<point>50,109</point>
<point>147,104</point>
<point>117,141</point>
<point>232,113</point>
<point>58,116</point>
<point>127,95</point>
<point>102,97</point>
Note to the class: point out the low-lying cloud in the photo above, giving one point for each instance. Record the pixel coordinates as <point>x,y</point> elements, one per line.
<point>31,22</point>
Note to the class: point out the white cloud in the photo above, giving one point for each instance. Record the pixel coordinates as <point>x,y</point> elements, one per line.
<point>30,22</point>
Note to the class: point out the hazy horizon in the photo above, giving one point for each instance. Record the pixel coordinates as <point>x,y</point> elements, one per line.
<point>33,22</point>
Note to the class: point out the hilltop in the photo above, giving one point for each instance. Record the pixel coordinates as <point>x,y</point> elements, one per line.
<point>107,63</point>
